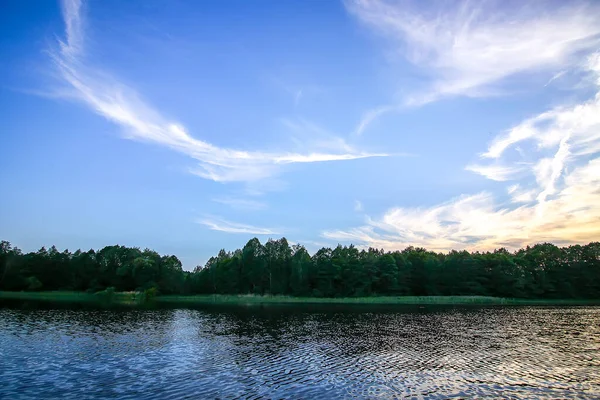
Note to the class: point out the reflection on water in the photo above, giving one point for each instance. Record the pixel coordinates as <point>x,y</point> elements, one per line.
<point>289,353</point>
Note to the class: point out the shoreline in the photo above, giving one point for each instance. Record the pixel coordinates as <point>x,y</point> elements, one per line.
<point>374,300</point>
<point>139,299</point>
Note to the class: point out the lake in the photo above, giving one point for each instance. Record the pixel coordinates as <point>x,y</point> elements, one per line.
<point>301,352</point>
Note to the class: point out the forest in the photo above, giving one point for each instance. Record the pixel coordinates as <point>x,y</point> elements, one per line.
<point>543,271</point>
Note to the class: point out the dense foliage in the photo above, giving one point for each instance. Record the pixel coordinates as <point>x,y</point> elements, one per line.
<point>541,271</point>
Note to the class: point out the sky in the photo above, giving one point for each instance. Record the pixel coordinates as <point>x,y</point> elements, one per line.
<point>187,127</point>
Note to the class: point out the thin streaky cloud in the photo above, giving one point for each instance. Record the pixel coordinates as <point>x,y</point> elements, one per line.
<point>556,198</point>
<point>372,115</point>
<point>470,48</point>
<point>222,225</point>
<point>555,77</point>
<point>520,195</point>
<point>241,204</point>
<point>121,105</point>
<point>73,28</point>
<point>473,44</point>
<point>498,173</point>
<point>305,133</point>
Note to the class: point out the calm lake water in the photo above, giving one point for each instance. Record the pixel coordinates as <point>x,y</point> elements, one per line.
<point>290,352</point>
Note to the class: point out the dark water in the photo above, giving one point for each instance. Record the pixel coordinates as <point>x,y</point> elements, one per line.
<point>524,352</point>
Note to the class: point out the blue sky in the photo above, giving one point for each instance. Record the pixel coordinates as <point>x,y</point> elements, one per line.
<point>188,126</point>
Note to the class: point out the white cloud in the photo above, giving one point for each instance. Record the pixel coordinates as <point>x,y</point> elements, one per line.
<point>574,128</point>
<point>521,132</point>
<point>519,195</point>
<point>241,204</point>
<point>477,222</point>
<point>307,134</point>
<point>470,45</point>
<point>73,28</point>
<point>555,77</point>
<point>496,172</point>
<point>358,207</point>
<point>118,103</point>
<point>556,198</point>
<point>222,225</point>
<point>370,116</point>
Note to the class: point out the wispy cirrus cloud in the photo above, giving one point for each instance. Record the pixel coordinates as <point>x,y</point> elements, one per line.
<point>241,203</point>
<point>556,197</point>
<point>223,225</point>
<point>372,115</point>
<point>471,48</point>
<point>496,172</point>
<point>320,138</point>
<point>474,49</point>
<point>479,222</point>
<point>467,46</point>
<point>122,105</point>
<point>520,195</point>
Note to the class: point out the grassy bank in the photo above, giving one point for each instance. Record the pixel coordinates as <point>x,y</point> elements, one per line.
<point>136,298</point>
<point>101,298</point>
<point>383,300</point>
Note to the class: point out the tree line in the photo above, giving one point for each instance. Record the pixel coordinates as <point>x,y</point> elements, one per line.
<point>540,271</point>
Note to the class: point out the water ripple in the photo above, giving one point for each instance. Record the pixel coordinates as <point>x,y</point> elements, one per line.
<point>288,353</point>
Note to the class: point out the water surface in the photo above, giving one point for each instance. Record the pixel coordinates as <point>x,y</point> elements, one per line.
<point>290,352</point>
